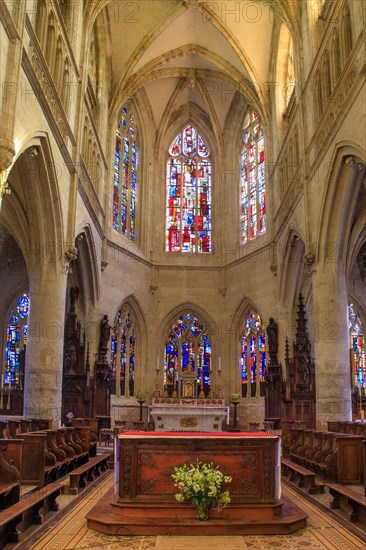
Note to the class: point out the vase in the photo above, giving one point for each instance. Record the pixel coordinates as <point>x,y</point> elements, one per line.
<point>202,511</point>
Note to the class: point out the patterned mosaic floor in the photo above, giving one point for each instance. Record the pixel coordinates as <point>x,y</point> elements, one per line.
<point>71,533</point>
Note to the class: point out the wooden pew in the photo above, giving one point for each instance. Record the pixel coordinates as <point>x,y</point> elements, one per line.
<point>14,428</point>
<point>39,424</point>
<point>80,477</point>
<point>348,500</point>
<point>10,460</point>
<point>301,476</point>
<point>92,424</point>
<point>26,425</point>
<point>352,428</point>
<point>30,510</point>
<point>338,457</point>
<point>4,430</point>
<point>34,459</point>
<point>59,444</point>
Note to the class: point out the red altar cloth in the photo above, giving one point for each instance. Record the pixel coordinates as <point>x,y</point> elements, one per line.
<point>214,435</point>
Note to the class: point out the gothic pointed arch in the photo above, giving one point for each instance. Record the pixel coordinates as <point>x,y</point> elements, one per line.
<point>292,267</point>
<point>339,202</point>
<point>14,310</point>
<point>189,193</point>
<point>128,342</point>
<point>187,353</point>
<point>247,350</point>
<point>85,271</point>
<point>33,213</point>
<point>126,174</point>
<point>253,194</point>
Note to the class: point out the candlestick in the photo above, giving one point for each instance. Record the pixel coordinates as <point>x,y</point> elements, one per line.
<point>202,394</point>
<point>219,363</point>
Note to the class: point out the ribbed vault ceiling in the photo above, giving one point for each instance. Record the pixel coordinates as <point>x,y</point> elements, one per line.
<point>217,46</point>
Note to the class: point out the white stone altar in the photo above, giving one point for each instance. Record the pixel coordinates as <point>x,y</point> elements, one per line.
<point>202,418</point>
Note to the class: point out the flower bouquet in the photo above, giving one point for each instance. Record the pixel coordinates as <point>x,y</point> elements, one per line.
<point>202,485</point>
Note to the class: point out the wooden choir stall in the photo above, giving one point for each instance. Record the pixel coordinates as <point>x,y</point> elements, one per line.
<point>144,503</point>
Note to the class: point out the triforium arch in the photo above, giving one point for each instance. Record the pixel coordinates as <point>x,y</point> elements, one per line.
<point>127,357</point>
<point>186,357</point>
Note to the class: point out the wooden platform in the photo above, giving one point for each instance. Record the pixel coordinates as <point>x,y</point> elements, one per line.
<point>112,518</point>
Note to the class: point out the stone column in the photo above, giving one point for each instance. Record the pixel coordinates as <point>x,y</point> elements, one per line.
<point>13,17</point>
<point>44,358</point>
<point>331,345</point>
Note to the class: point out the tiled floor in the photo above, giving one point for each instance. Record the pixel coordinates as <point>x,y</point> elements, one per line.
<point>71,533</point>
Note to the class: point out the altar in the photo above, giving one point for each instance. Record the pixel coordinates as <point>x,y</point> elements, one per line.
<point>144,501</point>
<point>189,417</point>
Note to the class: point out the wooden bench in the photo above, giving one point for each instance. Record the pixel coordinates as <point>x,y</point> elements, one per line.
<point>301,476</point>
<point>338,457</point>
<point>80,477</point>
<point>348,500</point>
<point>29,511</point>
<point>10,457</point>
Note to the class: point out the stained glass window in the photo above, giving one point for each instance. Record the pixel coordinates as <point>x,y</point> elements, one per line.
<point>357,337</point>
<point>188,194</point>
<point>252,354</point>
<point>253,213</point>
<point>187,355</point>
<point>16,340</point>
<point>126,160</point>
<point>123,354</point>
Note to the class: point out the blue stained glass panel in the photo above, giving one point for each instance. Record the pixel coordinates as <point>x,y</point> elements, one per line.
<point>23,306</point>
<point>125,181</point>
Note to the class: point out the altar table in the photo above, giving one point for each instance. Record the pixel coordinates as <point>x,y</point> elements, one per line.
<point>143,502</point>
<point>203,418</point>
<point>144,462</point>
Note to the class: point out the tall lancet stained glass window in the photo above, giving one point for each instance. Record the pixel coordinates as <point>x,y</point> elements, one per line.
<point>123,358</point>
<point>16,340</point>
<point>187,358</point>
<point>126,160</point>
<point>357,337</point>
<point>253,212</point>
<point>188,194</point>
<point>252,355</point>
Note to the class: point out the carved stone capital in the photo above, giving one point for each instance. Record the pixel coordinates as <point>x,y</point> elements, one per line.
<point>71,253</point>
<point>7,153</point>
<point>309,258</point>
